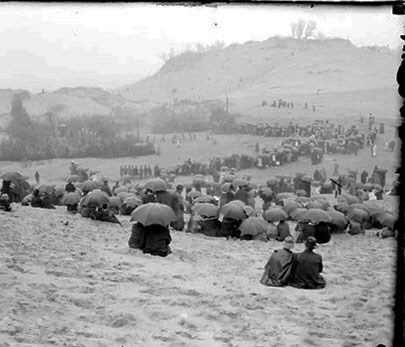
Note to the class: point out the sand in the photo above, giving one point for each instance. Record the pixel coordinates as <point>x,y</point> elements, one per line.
<point>70,281</point>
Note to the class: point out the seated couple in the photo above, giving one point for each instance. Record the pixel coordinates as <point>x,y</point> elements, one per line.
<point>300,270</point>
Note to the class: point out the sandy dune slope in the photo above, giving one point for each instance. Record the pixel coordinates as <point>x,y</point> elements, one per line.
<point>70,281</point>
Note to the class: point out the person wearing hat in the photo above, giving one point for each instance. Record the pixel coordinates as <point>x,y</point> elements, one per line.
<point>70,187</point>
<point>5,203</point>
<point>278,270</point>
<point>308,267</point>
<point>283,230</point>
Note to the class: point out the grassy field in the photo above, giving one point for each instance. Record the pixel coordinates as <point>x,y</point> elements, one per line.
<point>55,171</point>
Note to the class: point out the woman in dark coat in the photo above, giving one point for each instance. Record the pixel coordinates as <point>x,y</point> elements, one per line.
<point>157,240</point>
<point>322,232</point>
<point>137,239</point>
<point>36,200</point>
<point>229,228</point>
<point>306,274</point>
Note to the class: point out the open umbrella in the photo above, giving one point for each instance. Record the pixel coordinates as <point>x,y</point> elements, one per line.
<point>351,199</point>
<point>43,188</point>
<point>226,187</point>
<point>73,178</point>
<point>88,186</point>
<point>253,226</point>
<point>337,218</point>
<point>70,199</point>
<point>358,215</point>
<point>157,184</point>
<point>96,198</point>
<point>291,206</point>
<point>316,215</point>
<point>275,215</point>
<point>266,191</point>
<point>233,211</point>
<point>238,182</point>
<point>388,220</point>
<point>205,199</point>
<point>206,209</point>
<point>302,199</point>
<point>153,213</point>
<point>281,196</point>
<point>250,211</point>
<point>252,185</point>
<point>11,176</point>
<point>115,201</point>
<point>237,202</point>
<point>124,195</point>
<point>229,178</point>
<point>59,191</point>
<point>306,178</point>
<point>121,190</point>
<point>301,192</point>
<point>272,181</point>
<point>297,213</point>
<point>132,201</point>
<point>359,206</point>
<point>194,194</point>
<point>314,204</point>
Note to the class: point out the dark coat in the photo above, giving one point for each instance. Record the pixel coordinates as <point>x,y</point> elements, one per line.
<point>283,230</point>
<point>229,228</point>
<point>137,239</point>
<point>70,187</point>
<point>243,195</point>
<point>307,230</point>
<point>36,201</point>
<point>5,205</point>
<point>157,240</point>
<point>106,188</point>
<point>322,232</point>
<point>277,271</point>
<point>307,271</point>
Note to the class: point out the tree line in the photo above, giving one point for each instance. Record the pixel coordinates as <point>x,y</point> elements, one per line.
<point>90,136</point>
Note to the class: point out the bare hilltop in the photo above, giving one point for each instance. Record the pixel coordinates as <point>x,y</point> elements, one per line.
<point>338,77</point>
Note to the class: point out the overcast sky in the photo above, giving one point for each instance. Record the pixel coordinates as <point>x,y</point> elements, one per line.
<point>54,45</point>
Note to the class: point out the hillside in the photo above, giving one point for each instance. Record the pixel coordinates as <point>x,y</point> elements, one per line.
<point>67,102</point>
<point>276,68</point>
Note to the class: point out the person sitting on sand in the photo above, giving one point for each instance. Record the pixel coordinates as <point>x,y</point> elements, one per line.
<point>5,203</point>
<point>308,230</point>
<point>355,228</point>
<point>278,269</point>
<point>137,239</point>
<point>47,201</point>
<point>308,267</point>
<point>70,187</point>
<point>157,240</point>
<point>229,228</point>
<point>72,208</point>
<point>322,232</point>
<point>36,200</point>
<point>271,231</point>
<point>283,230</point>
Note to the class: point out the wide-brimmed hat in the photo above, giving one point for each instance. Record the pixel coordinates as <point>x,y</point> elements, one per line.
<point>311,242</point>
<point>288,242</point>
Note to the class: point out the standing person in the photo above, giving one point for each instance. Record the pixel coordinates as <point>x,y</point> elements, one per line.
<point>242,194</point>
<point>308,268</point>
<point>36,177</point>
<point>278,269</point>
<point>374,150</point>
<point>363,176</point>
<point>115,186</point>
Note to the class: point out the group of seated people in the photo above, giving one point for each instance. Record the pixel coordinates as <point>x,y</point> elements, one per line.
<point>41,199</point>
